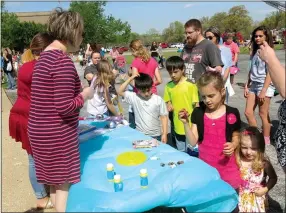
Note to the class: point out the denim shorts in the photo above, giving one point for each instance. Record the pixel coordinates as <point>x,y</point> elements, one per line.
<point>256,88</point>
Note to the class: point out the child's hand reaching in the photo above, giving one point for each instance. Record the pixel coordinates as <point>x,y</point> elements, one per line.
<point>164,138</point>
<point>208,68</point>
<point>184,116</point>
<point>228,149</point>
<point>260,191</point>
<point>135,74</point>
<point>170,107</point>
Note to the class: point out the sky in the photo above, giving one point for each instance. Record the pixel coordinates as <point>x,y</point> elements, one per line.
<point>143,16</point>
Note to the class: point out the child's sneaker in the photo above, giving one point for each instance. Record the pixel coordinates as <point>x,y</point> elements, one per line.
<point>267,140</point>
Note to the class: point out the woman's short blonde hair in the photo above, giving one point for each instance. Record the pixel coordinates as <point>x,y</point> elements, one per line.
<point>139,50</point>
<point>65,25</point>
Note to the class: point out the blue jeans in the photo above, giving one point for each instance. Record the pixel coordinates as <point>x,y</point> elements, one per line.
<point>39,189</point>
<point>11,81</point>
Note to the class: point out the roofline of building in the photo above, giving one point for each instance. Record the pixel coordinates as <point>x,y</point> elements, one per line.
<point>35,12</point>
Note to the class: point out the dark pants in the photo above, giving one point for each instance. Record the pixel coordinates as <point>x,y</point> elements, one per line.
<point>173,139</point>
<point>132,120</point>
<point>161,61</point>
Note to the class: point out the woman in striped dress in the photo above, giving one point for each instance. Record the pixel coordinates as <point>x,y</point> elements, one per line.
<point>55,103</point>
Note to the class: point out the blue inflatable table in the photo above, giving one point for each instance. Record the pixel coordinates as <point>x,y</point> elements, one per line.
<point>194,184</point>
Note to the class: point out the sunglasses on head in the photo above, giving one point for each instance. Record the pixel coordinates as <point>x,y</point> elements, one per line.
<point>260,36</point>
<point>209,37</point>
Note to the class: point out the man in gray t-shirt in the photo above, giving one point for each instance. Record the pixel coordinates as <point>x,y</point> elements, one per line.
<point>199,54</point>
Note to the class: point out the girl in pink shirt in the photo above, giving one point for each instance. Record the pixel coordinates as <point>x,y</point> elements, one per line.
<point>144,63</point>
<point>114,54</point>
<point>234,52</point>
<point>215,128</point>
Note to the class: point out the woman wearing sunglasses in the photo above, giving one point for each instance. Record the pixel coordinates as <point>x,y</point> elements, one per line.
<point>259,89</point>
<point>213,34</point>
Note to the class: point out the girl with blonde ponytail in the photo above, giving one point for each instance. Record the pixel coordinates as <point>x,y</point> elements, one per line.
<point>27,56</point>
<point>101,102</point>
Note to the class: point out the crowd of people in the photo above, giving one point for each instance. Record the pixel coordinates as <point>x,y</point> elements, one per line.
<point>10,64</point>
<point>45,116</point>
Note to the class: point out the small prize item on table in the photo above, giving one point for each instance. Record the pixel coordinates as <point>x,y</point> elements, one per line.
<point>110,171</point>
<point>118,185</point>
<point>85,128</point>
<point>125,122</point>
<point>93,134</point>
<point>116,121</point>
<point>145,143</point>
<point>118,118</point>
<point>172,164</point>
<point>143,178</point>
<point>99,117</point>
<point>154,158</point>
<point>112,125</point>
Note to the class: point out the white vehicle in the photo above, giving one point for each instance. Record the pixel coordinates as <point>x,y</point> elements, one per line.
<point>180,45</point>
<point>177,45</point>
<point>173,46</point>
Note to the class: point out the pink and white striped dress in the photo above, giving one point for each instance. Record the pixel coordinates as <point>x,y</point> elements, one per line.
<point>53,119</point>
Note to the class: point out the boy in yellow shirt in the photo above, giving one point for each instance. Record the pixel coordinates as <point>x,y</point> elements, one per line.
<point>180,93</point>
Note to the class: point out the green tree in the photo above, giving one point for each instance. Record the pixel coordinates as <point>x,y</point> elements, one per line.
<point>134,36</point>
<point>116,31</point>
<point>174,33</point>
<point>15,34</point>
<point>9,26</point>
<point>98,27</point>
<point>153,35</point>
<point>238,18</point>
<point>24,33</point>
<point>218,20</point>
<point>205,20</point>
<point>275,20</point>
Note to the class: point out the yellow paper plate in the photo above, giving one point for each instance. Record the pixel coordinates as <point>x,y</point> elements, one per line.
<point>133,158</point>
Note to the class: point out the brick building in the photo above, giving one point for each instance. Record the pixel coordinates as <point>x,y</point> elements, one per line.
<point>37,17</point>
